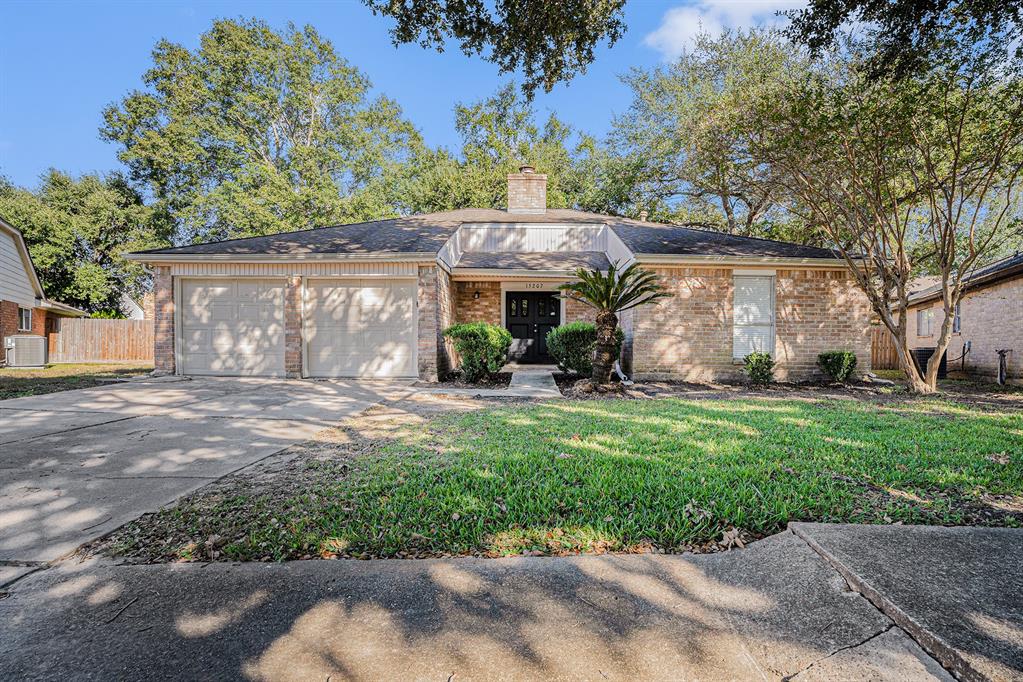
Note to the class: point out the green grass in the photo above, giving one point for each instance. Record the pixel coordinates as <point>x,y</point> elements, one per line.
<point>617,475</point>
<point>17,383</point>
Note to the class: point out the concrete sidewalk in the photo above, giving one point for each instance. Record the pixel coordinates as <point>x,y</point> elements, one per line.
<point>776,610</point>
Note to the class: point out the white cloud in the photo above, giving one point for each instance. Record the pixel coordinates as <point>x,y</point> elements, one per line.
<point>680,25</point>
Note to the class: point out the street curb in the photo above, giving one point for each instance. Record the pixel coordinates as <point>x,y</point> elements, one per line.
<point>936,647</point>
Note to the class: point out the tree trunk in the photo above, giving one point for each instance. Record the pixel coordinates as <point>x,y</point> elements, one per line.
<point>604,350</point>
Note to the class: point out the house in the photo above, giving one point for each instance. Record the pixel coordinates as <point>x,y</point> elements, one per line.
<point>372,299</point>
<point>24,308</point>
<point>989,318</point>
<point>130,308</point>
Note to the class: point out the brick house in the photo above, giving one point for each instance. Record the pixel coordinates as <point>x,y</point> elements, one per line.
<point>372,299</point>
<point>24,308</point>
<point>990,318</point>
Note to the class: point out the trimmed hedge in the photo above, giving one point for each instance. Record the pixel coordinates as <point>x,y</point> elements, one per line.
<point>483,348</point>
<point>839,365</point>
<point>571,346</point>
<point>759,367</point>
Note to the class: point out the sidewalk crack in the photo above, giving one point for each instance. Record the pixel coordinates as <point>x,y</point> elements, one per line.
<point>840,650</point>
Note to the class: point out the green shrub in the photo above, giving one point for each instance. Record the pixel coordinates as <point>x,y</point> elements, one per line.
<point>483,348</point>
<point>571,346</point>
<point>759,367</point>
<point>837,364</point>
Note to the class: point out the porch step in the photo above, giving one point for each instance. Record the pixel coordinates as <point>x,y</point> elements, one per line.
<point>540,379</point>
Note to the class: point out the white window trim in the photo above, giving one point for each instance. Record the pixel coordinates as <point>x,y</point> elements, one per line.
<point>21,316</point>
<point>745,274</point>
<point>928,315</point>
<point>957,320</point>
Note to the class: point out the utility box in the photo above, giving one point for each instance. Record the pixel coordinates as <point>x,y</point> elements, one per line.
<point>921,356</point>
<point>25,351</point>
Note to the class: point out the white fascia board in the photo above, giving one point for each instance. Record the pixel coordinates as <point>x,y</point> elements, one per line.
<point>497,273</point>
<point>667,259</point>
<point>157,258</point>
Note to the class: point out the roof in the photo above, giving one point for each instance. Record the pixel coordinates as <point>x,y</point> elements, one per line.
<point>654,238</point>
<point>427,234</point>
<point>996,272</point>
<point>33,276</point>
<point>534,260</point>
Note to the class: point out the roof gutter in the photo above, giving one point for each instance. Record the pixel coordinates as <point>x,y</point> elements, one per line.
<point>971,284</point>
<point>669,259</point>
<point>158,258</point>
<point>502,273</point>
<point>63,308</point>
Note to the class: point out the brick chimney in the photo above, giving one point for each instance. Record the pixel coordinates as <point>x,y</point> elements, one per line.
<point>527,191</point>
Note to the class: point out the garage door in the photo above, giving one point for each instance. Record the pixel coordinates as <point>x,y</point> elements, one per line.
<point>360,328</point>
<point>232,327</point>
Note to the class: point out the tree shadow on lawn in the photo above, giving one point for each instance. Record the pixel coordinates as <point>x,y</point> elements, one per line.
<point>561,478</point>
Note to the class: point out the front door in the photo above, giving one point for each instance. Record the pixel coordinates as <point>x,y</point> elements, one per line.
<point>529,316</point>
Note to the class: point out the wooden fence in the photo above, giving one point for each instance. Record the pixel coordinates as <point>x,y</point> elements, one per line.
<point>85,340</point>
<point>882,348</point>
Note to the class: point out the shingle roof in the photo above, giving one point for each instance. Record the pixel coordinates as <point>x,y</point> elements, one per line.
<point>1003,269</point>
<point>653,238</point>
<point>542,260</point>
<point>427,233</point>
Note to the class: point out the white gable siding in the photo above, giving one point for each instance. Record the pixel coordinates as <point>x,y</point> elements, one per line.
<point>15,284</point>
<point>526,238</point>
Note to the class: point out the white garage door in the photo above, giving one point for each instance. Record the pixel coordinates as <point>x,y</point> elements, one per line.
<point>360,328</point>
<point>232,327</point>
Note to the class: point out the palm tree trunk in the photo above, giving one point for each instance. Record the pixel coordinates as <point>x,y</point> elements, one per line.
<point>604,350</point>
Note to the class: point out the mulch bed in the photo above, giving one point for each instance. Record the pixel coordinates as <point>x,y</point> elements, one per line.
<point>455,380</point>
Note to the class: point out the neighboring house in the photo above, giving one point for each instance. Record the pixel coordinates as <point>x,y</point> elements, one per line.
<point>372,299</point>
<point>130,308</point>
<point>24,308</point>
<point>990,318</point>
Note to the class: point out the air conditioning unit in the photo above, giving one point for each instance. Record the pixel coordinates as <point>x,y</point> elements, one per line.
<point>25,351</point>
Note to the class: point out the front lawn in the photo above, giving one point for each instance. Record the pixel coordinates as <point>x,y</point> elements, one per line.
<point>598,476</point>
<point>16,383</point>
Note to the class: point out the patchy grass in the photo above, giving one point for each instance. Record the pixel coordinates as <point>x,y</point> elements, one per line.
<point>599,476</point>
<point>16,383</point>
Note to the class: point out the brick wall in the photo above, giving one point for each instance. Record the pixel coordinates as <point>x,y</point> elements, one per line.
<point>429,323</point>
<point>9,320</point>
<point>486,308</point>
<point>689,336</point>
<point>163,320</point>
<point>576,312</point>
<point>293,328</point>
<point>990,318</point>
<point>817,311</point>
<point>446,356</point>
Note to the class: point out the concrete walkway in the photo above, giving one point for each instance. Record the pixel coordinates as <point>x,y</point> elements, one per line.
<point>526,382</point>
<point>77,464</point>
<point>776,610</point>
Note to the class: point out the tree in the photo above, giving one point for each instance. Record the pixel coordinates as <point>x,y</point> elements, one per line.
<point>498,134</point>
<point>77,232</point>
<point>257,132</point>
<point>691,142</point>
<point>550,41</point>
<point>905,172</point>
<point>609,294</point>
<point>909,32</point>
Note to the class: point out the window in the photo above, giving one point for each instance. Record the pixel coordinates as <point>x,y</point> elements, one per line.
<point>925,322</point>
<point>24,319</point>
<point>957,322</point>
<point>753,316</point>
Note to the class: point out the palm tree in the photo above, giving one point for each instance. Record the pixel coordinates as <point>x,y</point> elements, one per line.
<point>610,294</point>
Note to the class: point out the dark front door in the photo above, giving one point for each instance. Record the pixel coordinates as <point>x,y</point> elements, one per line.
<point>530,315</point>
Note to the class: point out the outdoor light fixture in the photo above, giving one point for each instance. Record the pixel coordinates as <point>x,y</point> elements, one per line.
<point>476,295</point>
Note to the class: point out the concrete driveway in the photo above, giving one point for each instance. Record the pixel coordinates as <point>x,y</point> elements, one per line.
<point>77,464</point>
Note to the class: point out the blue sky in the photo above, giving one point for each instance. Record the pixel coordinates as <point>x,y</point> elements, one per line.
<point>62,62</point>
